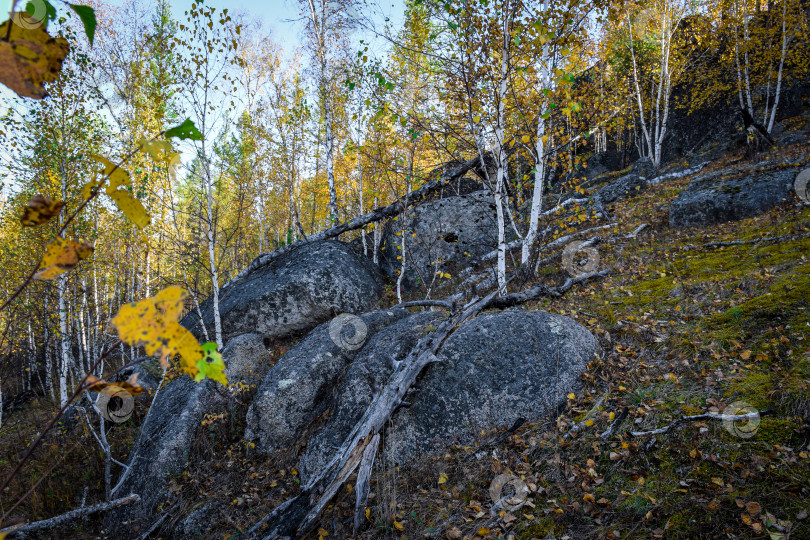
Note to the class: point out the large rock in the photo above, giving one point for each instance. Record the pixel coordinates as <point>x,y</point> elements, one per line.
<point>440,235</point>
<point>168,431</point>
<point>162,451</point>
<point>494,369</point>
<point>621,188</point>
<point>732,194</point>
<point>295,292</point>
<point>299,388</point>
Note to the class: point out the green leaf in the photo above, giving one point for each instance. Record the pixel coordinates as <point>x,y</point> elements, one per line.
<point>33,10</point>
<point>212,367</point>
<point>209,347</point>
<point>186,130</point>
<point>88,17</point>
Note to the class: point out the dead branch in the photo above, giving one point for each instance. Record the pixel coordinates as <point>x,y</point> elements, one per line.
<point>426,303</point>
<point>56,521</point>
<point>579,425</point>
<point>299,514</point>
<point>705,416</point>
<point>608,433</point>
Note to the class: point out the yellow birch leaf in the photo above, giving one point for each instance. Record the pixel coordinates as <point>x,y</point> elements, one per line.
<point>152,323</point>
<point>399,526</point>
<point>118,176</point>
<point>442,478</point>
<point>60,256</point>
<point>131,207</point>
<point>39,210</point>
<point>571,396</point>
<point>30,58</point>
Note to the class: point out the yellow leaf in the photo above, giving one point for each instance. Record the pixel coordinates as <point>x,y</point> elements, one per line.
<point>153,324</point>
<point>611,416</point>
<point>118,176</point>
<point>525,139</point>
<point>322,533</point>
<point>483,531</point>
<point>39,210</point>
<point>29,58</point>
<point>477,119</point>
<point>588,498</point>
<point>399,526</point>
<point>589,423</point>
<point>60,256</point>
<point>745,355</point>
<point>87,189</point>
<point>442,478</point>
<point>368,514</point>
<point>571,396</point>
<point>131,207</point>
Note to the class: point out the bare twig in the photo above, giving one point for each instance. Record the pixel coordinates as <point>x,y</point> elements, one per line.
<point>608,433</point>
<point>72,515</point>
<point>705,416</point>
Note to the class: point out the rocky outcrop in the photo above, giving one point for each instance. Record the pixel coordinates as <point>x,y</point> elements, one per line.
<point>494,369</point>
<point>621,188</point>
<point>162,450</point>
<point>438,236</point>
<point>732,194</point>
<point>300,387</point>
<point>294,293</point>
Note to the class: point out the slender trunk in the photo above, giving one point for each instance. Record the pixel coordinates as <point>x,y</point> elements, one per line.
<point>785,42</point>
<point>377,237</point>
<point>537,195</point>
<point>362,207</point>
<point>209,197</point>
<point>500,154</point>
<point>64,343</point>
<point>638,93</point>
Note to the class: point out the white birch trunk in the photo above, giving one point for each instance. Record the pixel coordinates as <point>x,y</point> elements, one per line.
<point>64,343</point>
<point>785,42</point>
<point>500,179</point>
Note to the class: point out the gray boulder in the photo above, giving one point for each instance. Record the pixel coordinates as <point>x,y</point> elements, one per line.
<point>731,195</point>
<point>494,369</point>
<point>643,167</point>
<point>168,431</point>
<point>621,188</point>
<point>245,358</point>
<point>299,387</point>
<point>294,293</point>
<point>162,450</point>
<point>448,232</point>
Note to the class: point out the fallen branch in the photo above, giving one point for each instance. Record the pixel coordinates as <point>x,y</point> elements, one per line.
<point>154,527</point>
<point>72,515</point>
<point>427,303</point>
<point>705,416</point>
<point>378,214</point>
<point>608,433</point>
<point>680,174</point>
<point>579,425</point>
<point>298,515</point>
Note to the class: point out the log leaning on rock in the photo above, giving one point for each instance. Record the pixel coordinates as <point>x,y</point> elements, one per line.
<point>374,216</point>
<point>300,514</point>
